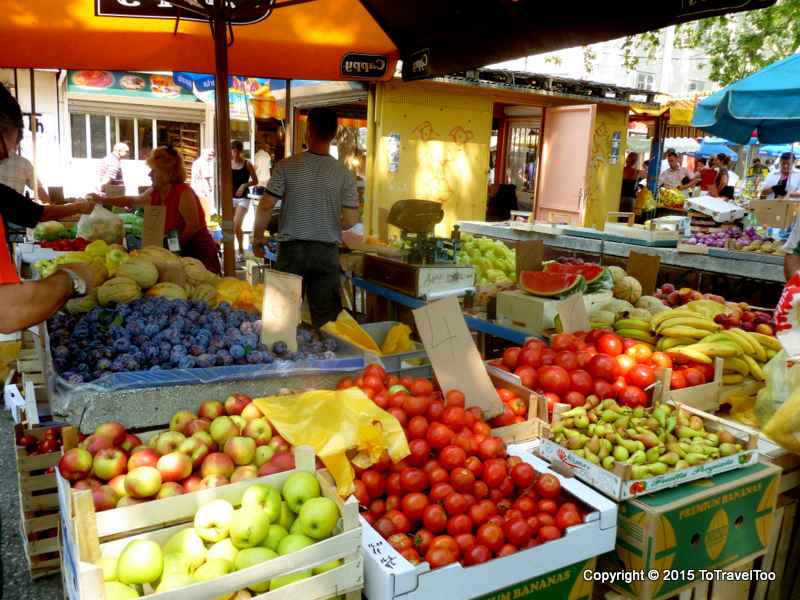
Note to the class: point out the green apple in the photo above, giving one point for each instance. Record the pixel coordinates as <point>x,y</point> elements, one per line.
<point>264,496</point>
<point>296,527</point>
<point>263,455</point>
<point>287,516</point>
<point>249,526</point>
<point>328,566</point>
<point>114,590</point>
<point>140,562</point>
<point>176,564</point>
<point>213,520</point>
<point>318,517</point>
<point>212,568</point>
<point>299,487</point>
<point>109,566</point>
<point>187,543</point>
<point>224,549</point>
<point>274,536</point>
<point>253,556</point>
<point>287,579</point>
<point>293,542</point>
<point>175,581</point>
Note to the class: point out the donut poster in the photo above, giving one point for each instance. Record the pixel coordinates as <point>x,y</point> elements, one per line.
<point>122,83</point>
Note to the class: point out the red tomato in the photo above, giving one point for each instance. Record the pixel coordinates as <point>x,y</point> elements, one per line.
<point>439,557</point>
<point>628,343</point>
<point>491,536</point>
<point>493,474</point>
<point>563,341</point>
<point>361,492</point>
<point>694,377</point>
<point>392,502</point>
<point>435,410</point>
<point>548,506</point>
<point>399,414</point>
<point>517,532</point>
<point>507,487</point>
<point>548,533</point>
<point>413,505</point>
<point>533,523</point>
<point>552,400</point>
<point>416,405</point>
<point>660,359</point>
<point>439,435</point>
<point>455,398</point>
<point>374,383</point>
<point>478,513</point>
<point>422,540</point>
<point>480,490</point>
<point>626,363</point>
<point>477,554</point>
<point>455,504</point>
<point>618,385</point>
<point>463,480</point>
<point>464,440</point>
<point>401,522</point>
<point>417,427</point>
<point>603,366</point>
<point>413,480</point>
<point>377,507</point>
<point>609,343</point>
<point>481,428</point>
<point>507,550</point>
<point>581,382</point>
<point>548,356</point>
<point>640,353</point>
<point>454,417</point>
<point>400,542</point>
<point>526,505</point>
<point>344,383</point>
<point>385,527</point>
<point>447,542</point>
<point>411,555</point>
<point>381,399</point>
<point>422,387</point>
<point>459,524</point>
<point>545,519</point>
<point>491,447</point>
<point>567,518</point>
<point>548,486</point>
<point>527,376</point>
<point>603,389</point>
<point>641,376</point>
<point>554,379</point>
<point>575,399</point>
<point>523,475</point>
<point>375,369</point>
<point>530,357</point>
<point>632,396</point>
<point>677,380</point>
<point>566,360</point>
<point>706,370</point>
<point>511,514</point>
<point>584,356</point>
<point>438,475</point>
<point>511,356</point>
<point>434,518</point>
<point>474,464</point>
<point>440,491</point>
<point>465,541</point>
<point>452,457</point>
<point>375,483</point>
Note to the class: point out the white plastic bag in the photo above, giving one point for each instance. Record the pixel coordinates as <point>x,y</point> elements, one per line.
<point>101,224</point>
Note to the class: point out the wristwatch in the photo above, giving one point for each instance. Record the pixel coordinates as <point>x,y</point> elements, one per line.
<point>78,283</point>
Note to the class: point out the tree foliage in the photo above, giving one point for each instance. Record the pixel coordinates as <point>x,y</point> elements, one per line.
<point>737,45</point>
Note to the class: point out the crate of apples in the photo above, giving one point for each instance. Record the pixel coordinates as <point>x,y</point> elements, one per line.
<point>223,443</point>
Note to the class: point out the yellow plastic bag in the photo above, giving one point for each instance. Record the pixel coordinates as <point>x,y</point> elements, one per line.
<point>397,340</point>
<point>337,424</point>
<point>346,327</point>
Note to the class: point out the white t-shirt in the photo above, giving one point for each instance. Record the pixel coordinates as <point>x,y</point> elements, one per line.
<point>774,178</point>
<point>17,172</point>
<point>263,164</point>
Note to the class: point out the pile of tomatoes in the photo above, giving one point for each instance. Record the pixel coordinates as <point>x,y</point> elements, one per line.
<point>49,442</point>
<point>458,496</point>
<point>67,245</point>
<point>578,365</point>
<point>515,409</point>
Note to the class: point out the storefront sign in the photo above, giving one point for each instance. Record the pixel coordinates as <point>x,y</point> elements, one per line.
<point>123,83</point>
<point>161,9</point>
<point>364,66</point>
<point>417,65</point>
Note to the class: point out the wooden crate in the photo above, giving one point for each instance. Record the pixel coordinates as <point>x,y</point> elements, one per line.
<point>38,501</point>
<point>85,537</point>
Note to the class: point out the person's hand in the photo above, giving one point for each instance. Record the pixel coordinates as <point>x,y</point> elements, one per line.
<point>93,273</point>
<point>258,248</point>
<point>85,208</point>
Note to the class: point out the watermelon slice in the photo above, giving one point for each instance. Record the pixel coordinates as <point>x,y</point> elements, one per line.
<point>551,285</point>
<point>591,272</point>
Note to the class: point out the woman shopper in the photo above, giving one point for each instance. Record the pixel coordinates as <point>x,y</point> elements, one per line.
<point>721,188</point>
<point>244,175</point>
<point>631,175</point>
<point>184,213</point>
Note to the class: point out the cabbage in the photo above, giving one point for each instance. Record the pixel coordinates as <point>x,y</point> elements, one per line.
<point>49,231</point>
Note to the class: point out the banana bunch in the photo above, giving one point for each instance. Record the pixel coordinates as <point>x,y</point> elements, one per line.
<point>683,327</point>
<point>636,329</point>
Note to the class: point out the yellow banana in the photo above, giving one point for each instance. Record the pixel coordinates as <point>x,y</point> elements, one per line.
<point>770,353</point>
<point>755,368</point>
<point>732,378</point>
<point>672,342</point>
<point>632,324</point>
<point>691,355</point>
<point>765,340</point>
<point>636,334</point>
<point>740,402</point>
<point>696,322</point>
<point>723,349</point>
<point>759,353</point>
<point>737,364</point>
<point>748,345</point>
<point>684,331</point>
<point>674,313</point>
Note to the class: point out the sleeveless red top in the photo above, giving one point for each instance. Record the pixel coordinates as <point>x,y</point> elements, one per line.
<point>8,270</point>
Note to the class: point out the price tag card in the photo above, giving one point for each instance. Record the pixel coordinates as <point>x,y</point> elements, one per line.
<point>453,354</point>
<point>280,312</point>
<point>530,255</point>
<point>573,315</point>
<point>644,267</point>
<point>153,226</point>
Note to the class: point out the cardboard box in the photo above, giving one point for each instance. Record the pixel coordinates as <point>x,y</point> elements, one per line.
<point>708,524</point>
<point>389,576</point>
<point>521,311</point>
<point>775,213</point>
<point>568,582</point>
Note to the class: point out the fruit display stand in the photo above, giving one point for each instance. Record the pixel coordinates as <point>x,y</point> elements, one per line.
<point>703,397</point>
<point>390,576</point>
<point>533,426</point>
<point>38,502</point>
<point>619,483</point>
<point>87,535</point>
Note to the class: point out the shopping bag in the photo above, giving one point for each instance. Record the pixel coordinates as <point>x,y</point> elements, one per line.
<point>101,224</point>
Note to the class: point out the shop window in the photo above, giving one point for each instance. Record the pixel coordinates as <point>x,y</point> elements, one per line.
<point>97,136</point>
<point>144,129</point>
<point>122,131</point>
<point>523,147</point>
<point>645,81</point>
<point>77,124</point>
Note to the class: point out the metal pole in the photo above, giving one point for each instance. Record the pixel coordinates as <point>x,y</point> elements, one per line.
<point>33,133</point>
<point>289,129</point>
<point>223,137</point>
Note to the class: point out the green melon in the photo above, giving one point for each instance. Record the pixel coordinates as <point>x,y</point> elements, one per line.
<point>592,273</point>
<point>551,285</point>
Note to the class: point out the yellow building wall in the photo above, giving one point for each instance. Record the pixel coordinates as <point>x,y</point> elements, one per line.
<point>444,152</point>
<point>604,179</point>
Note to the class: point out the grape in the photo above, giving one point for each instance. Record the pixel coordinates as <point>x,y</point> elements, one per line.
<point>246,327</point>
<point>187,362</point>
<point>330,344</point>
<point>224,357</point>
<point>122,345</point>
<point>280,348</point>
<point>250,340</point>
<point>237,351</point>
<point>255,357</point>
<point>206,360</point>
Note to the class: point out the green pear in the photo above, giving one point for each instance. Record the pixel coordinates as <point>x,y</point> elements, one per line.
<point>109,566</point>
<point>175,581</point>
<point>287,517</point>
<point>274,536</point>
<point>249,525</point>
<point>293,542</point>
<point>189,544</point>
<point>119,591</point>
<point>212,568</point>
<point>224,549</point>
<point>299,487</point>
<point>264,496</point>
<point>253,556</point>
<point>141,561</point>
<point>328,566</point>
<point>287,579</point>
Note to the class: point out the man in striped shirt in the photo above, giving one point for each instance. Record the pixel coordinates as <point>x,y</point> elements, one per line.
<point>319,200</point>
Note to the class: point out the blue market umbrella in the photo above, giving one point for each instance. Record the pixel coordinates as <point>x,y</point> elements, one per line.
<point>713,147</point>
<point>767,102</point>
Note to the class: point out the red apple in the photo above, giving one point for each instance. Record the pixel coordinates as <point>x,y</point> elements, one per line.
<point>105,498</point>
<point>251,411</point>
<point>206,438</point>
<point>170,489</point>
<point>118,485</point>
<point>217,463</point>
<point>241,449</point>
<point>181,419</point>
<point>129,501</point>
<point>281,461</point>
<point>169,441</point>
<point>94,443</point>
<point>143,482</point>
<point>75,464</point>
<point>195,449</point>
<point>259,430</point>
<point>113,430</point>
<point>89,483</point>
<point>109,463</point>
<point>244,472</point>
<point>234,404</point>
<point>211,410</point>
<point>279,444</point>
<point>146,457</point>
<point>213,481</point>
<point>174,466</point>
<point>192,484</point>
<point>130,442</point>
<point>196,425</point>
